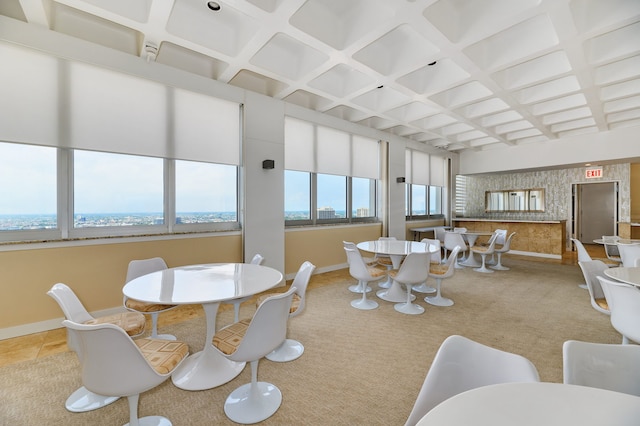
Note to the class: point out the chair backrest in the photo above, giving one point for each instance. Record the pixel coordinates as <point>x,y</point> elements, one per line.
<point>257,259</point>
<point>462,364</point>
<point>628,254</point>
<point>453,239</point>
<point>601,365</point>
<point>268,328</point>
<point>507,244</point>
<point>351,246</point>
<point>386,238</point>
<point>71,306</point>
<point>591,269</point>
<point>460,229</point>
<point>624,303</point>
<point>439,234</point>
<point>492,243</point>
<point>583,255</point>
<point>502,236</point>
<point>357,267</point>
<point>138,268</point>
<point>414,268</point>
<point>436,257</point>
<point>112,364</point>
<point>300,282</point>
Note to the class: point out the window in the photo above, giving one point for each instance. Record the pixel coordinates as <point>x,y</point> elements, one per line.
<point>330,176</point>
<point>425,176</point>
<point>200,198</point>
<point>117,190</point>
<point>27,187</point>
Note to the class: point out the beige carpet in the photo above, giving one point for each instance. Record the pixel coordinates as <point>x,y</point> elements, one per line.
<point>359,367</point>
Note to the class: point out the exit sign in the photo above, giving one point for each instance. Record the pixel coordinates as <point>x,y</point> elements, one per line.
<point>592,173</point>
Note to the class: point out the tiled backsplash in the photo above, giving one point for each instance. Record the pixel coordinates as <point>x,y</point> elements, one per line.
<point>557,185</point>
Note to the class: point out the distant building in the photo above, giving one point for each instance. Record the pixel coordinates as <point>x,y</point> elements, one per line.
<point>326,213</point>
<point>362,212</point>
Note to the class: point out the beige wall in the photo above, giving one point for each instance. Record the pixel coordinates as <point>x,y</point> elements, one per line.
<point>322,246</point>
<point>95,272</point>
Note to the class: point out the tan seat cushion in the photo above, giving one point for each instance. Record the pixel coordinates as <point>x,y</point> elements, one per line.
<point>377,271</point>
<point>228,339</point>
<point>295,302</point>
<point>480,249</point>
<point>131,322</point>
<point>438,269</point>
<point>602,303</point>
<point>139,306</point>
<point>384,260</point>
<point>163,355</point>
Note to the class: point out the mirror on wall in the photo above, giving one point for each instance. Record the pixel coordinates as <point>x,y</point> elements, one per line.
<point>521,200</point>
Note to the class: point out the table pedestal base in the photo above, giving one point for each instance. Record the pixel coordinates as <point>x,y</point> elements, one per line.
<point>394,294</point>
<point>205,370</point>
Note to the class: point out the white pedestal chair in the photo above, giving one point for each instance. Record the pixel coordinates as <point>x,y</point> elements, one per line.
<point>601,365</point>
<point>452,240</point>
<point>133,323</point>
<point>369,261</point>
<point>624,303</point>
<point>138,268</point>
<point>292,349</point>
<point>414,270</point>
<point>248,341</point>
<point>385,260</point>
<point>439,273</point>
<point>256,260</point>
<point>461,365</point>
<point>610,243</point>
<point>484,251</point>
<point>500,250</point>
<point>364,273</point>
<point>501,239</point>
<point>435,259</point>
<point>629,253</point>
<point>591,269</point>
<point>114,364</point>
<point>583,256</point>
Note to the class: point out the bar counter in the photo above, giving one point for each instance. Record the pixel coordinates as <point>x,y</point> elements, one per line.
<point>542,238</point>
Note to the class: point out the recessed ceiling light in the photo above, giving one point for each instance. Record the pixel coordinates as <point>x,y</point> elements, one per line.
<point>588,164</point>
<point>213,5</point>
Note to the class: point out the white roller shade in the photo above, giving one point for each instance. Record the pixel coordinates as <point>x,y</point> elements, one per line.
<point>438,170</point>
<point>365,158</point>
<point>299,152</point>
<point>334,152</point>
<point>419,168</point>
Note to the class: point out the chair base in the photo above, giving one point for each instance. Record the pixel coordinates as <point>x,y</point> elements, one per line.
<point>438,301</point>
<point>364,304</point>
<point>409,308</point>
<point>584,286</point>
<point>288,351</point>
<point>83,400</point>
<point>484,270</point>
<point>394,294</point>
<point>164,337</point>
<point>153,421</point>
<point>499,268</point>
<point>423,288</point>
<point>357,288</point>
<point>247,406</point>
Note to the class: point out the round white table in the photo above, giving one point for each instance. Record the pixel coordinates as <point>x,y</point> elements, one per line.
<point>396,250</point>
<point>626,275</point>
<point>536,404</point>
<point>207,284</point>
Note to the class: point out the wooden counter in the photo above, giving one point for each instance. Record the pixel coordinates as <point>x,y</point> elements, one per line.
<point>544,238</point>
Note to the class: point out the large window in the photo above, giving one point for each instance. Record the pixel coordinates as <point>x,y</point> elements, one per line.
<point>425,177</point>
<point>330,176</point>
<point>128,156</point>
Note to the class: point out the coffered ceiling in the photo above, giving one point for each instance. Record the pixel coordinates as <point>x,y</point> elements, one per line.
<point>455,74</point>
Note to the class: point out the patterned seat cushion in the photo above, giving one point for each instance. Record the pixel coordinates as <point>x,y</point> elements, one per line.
<point>139,306</point>
<point>131,322</point>
<point>228,339</point>
<point>295,302</point>
<point>163,355</point>
<point>384,260</point>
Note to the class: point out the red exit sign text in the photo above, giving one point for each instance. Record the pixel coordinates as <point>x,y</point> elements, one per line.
<point>593,173</point>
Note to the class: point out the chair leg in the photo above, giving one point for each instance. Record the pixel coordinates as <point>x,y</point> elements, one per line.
<point>154,329</point>
<point>357,288</point>
<point>144,421</point>
<point>364,303</point>
<point>408,307</point>
<point>236,311</point>
<point>438,300</point>
<point>625,340</point>
<point>498,266</point>
<point>253,402</point>
<point>483,268</point>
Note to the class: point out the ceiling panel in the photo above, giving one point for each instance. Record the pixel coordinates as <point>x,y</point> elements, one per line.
<point>455,74</point>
